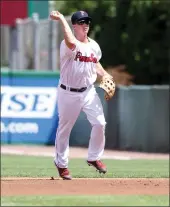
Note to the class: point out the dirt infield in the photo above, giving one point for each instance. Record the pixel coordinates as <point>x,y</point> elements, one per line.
<point>83,186</point>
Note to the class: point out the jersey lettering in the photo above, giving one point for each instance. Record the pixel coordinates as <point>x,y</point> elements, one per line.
<point>82,58</point>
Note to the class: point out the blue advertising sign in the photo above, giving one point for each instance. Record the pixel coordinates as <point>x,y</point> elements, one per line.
<point>29,112</point>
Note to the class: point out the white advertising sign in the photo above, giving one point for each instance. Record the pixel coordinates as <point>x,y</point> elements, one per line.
<point>28,102</point>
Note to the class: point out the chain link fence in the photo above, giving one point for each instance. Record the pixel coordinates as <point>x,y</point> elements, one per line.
<point>32,45</point>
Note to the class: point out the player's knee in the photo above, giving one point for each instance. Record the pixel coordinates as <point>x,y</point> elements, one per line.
<point>100,126</point>
<point>100,122</point>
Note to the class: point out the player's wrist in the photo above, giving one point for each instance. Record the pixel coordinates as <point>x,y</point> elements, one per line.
<point>62,18</point>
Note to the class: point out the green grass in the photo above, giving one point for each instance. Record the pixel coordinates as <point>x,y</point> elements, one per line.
<point>31,166</point>
<point>85,200</point>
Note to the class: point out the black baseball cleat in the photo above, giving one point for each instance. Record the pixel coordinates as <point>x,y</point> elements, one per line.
<point>98,165</point>
<point>63,173</point>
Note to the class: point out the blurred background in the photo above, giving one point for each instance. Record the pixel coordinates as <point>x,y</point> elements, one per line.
<point>134,37</point>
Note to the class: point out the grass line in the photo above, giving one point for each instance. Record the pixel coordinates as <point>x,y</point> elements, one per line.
<point>30,166</point>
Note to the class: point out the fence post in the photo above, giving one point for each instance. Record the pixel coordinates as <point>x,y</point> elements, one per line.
<point>13,48</point>
<point>20,45</point>
<point>36,41</point>
<point>53,58</point>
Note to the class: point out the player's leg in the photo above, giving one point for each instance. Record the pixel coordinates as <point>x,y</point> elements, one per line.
<point>94,111</point>
<point>68,110</point>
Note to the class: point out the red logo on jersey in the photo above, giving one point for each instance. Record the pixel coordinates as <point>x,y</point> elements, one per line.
<point>82,58</point>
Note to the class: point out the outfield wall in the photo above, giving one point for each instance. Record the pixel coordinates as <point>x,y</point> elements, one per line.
<point>137,117</point>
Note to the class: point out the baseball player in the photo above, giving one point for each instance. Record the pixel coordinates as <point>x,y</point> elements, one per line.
<point>79,66</point>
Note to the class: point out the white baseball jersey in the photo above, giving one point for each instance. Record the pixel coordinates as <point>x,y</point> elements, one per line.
<point>77,67</point>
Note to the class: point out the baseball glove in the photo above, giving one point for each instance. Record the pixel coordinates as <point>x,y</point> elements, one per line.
<point>107,83</point>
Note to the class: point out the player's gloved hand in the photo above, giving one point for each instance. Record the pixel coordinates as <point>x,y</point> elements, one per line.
<point>107,83</point>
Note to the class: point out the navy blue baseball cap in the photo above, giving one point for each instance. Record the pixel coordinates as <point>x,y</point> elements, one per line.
<point>79,15</point>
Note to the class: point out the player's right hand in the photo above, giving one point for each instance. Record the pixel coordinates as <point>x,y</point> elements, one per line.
<point>55,15</point>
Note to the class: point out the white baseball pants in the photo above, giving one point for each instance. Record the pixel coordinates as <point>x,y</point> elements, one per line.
<point>70,105</point>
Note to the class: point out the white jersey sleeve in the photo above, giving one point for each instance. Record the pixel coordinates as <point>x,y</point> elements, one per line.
<point>97,49</point>
<point>99,53</point>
